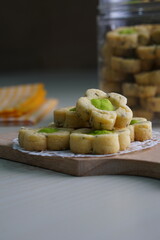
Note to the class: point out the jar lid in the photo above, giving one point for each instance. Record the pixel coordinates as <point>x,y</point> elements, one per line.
<point>131,5</point>
<point>104,2</point>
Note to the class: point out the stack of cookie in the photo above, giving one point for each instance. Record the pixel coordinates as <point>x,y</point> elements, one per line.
<point>131,66</point>
<point>99,123</point>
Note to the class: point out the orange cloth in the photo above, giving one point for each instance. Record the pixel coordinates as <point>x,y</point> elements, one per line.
<point>24,104</point>
<point>17,100</point>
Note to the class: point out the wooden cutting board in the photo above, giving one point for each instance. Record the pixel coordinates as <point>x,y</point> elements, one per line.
<point>142,163</point>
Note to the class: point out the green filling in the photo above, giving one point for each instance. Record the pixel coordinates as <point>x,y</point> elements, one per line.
<point>99,132</point>
<point>72,109</point>
<point>133,122</point>
<point>48,130</point>
<point>103,104</point>
<point>127,31</point>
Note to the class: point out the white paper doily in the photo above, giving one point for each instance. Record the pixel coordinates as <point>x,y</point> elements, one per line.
<point>135,146</point>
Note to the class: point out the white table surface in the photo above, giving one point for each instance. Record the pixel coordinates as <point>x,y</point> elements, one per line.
<point>38,204</point>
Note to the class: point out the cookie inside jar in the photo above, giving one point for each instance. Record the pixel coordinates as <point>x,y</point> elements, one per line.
<point>129,51</point>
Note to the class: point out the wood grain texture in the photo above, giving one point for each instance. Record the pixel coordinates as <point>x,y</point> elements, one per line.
<point>141,163</point>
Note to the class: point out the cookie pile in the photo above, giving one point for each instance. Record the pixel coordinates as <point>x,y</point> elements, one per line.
<point>99,123</point>
<point>131,66</point>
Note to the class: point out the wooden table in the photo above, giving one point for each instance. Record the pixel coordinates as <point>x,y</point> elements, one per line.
<point>36,203</point>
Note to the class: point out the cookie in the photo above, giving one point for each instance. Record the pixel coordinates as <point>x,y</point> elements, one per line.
<point>129,37</point>
<point>31,140</point>
<point>124,138</point>
<point>131,130</point>
<point>146,91</point>
<point>146,52</point>
<point>85,141</point>
<point>123,52</point>
<point>58,140</point>
<point>111,75</point>
<point>153,104</point>
<point>104,109</point>
<point>46,138</point>
<point>155,77</point>
<point>148,78</point>
<point>155,34</point>
<point>103,119</point>
<point>131,126</point>
<point>125,37</point>
<point>126,65</point>
<point>142,131</point>
<point>143,78</point>
<point>68,118</point>
<point>124,115</point>
<point>106,53</point>
<point>143,32</point>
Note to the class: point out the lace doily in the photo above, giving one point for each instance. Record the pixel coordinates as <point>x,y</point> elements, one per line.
<point>134,146</point>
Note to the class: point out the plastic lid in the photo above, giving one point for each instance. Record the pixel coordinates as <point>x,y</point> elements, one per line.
<point>133,5</point>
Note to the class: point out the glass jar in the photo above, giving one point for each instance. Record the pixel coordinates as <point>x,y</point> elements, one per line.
<point>129,53</point>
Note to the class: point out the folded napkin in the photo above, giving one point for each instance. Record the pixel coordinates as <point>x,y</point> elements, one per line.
<point>24,104</point>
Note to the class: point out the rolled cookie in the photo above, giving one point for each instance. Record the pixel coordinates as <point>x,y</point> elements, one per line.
<point>111,75</point>
<point>146,52</point>
<point>146,91</point>
<point>124,138</point>
<point>129,37</point>
<point>22,133</point>
<point>153,104</point>
<point>106,53</point>
<point>126,65</point>
<point>68,118</point>
<point>148,78</point>
<point>155,77</point>
<point>103,119</point>
<point>124,115</point>
<point>143,78</point>
<point>104,109</point>
<point>131,129</point>
<point>155,34</point>
<point>131,126</point>
<point>143,131</point>
<point>46,138</point>
<point>59,140</point>
<point>143,34</point>
<point>123,52</point>
<point>31,140</point>
<point>85,141</point>
<point>125,37</point>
